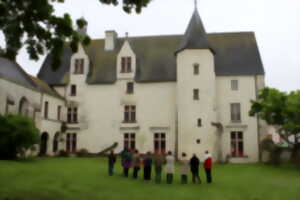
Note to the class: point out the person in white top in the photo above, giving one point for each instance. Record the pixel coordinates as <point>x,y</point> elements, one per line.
<point>170,167</point>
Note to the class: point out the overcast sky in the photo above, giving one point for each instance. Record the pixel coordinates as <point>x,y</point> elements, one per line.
<point>276,24</point>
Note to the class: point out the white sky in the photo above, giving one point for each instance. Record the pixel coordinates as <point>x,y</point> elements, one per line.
<point>276,24</point>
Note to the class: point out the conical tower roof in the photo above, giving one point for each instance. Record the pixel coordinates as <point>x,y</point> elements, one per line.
<point>195,36</point>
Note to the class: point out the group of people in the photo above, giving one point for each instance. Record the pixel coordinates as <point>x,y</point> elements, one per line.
<point>135,161</point>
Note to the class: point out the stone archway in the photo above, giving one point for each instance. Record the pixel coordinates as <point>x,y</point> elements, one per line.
<point>44,144</point>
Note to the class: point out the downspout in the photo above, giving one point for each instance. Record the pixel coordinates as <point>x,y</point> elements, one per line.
<point>176,133</point>
<point>257,122</point>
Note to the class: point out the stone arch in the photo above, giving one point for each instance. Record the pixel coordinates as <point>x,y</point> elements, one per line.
<point>55,146</point>
<point>24,106</point>
<point>44,143</point>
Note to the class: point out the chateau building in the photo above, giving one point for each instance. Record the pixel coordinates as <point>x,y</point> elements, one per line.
<point>185,93</point>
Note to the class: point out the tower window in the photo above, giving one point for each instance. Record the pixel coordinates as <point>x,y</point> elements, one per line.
<point>196,94</point>
<point>46,107</point>
<point>130,88</point>
<point>58,112</point>
<point>196,69</point>
<point>129,114</point>
<point>126,65</point>
<point>72,115</point>
<point>235,109</point>
<point>199,122</point>
<point>73,90</point>
<point>237,144</point>
<point>79,66</point>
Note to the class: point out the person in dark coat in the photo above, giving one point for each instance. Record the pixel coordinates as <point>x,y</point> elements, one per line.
<point>208,166</point>
<point>194,163</point>
<point>111,162</point>
<point>136,164</point>
<point>147,166</point>
<point>126,161</point>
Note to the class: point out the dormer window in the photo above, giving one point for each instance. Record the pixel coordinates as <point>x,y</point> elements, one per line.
<point>79,66</point>
<point>126,65</point>
<point>196,69</point>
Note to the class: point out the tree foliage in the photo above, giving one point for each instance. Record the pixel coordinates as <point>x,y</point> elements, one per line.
<point>280,109</point>
<point>17,134</point>
<point>33,25</point>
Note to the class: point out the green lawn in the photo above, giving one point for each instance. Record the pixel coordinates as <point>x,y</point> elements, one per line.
<point>87,179</point>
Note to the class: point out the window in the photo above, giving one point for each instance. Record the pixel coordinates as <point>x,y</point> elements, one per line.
<point>196,94</point>
<point>237,144</point>
<point>46,108</point>
<point>129,114</point>
<point>235,112</point>
<point>79,66</point>
<point>160,142</point>
<point>73,90</point>
<point>58,112</point>
<point>72,115</point>
<point>129,141</point>
<point>130,88</point>
<point>199,122</point>
<point>234,85</point>
<point>71,142</point>
<point>126,65</point>
<point>196,69</point>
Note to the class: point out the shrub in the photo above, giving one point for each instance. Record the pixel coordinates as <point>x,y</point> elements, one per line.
<point>63,153</point>
<point>83,153</point>
<point>17,135</point>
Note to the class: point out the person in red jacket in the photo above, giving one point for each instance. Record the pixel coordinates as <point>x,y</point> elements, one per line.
<point>208,166</point>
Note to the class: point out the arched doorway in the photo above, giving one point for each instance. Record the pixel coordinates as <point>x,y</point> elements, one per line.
<point>24,106</point>
<point>55,142</point>
<point>44,144</point>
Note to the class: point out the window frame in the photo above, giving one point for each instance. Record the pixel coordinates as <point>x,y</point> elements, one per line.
<point>199,122</point>
<point>196,69</point>
<point>159,142</point>
<point>235,112</point>
<point>72,115</point>
<point>129,114</point>
<point>129,87</point>
<point>237,144</point>
<point>79,66</point>
<point>59,112</point>
<point>46,109</point>
<point>129,141</point>
<point>73,90</point>
<point>234,85</point>
<point>126,64</point>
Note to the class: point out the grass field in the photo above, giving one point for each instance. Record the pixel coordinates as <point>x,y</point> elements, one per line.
<point>87,179</point>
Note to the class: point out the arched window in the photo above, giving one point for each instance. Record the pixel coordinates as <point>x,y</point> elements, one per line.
<point>24,107</point>
<point>44,143</point>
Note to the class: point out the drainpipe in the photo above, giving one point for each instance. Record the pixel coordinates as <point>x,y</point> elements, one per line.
<point>257,122</point>
<point>176,134</point>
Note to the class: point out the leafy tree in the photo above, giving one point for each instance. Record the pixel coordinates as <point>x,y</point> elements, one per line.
<point>32,24</point>
<point>280,109</point>
<point>17,134</point>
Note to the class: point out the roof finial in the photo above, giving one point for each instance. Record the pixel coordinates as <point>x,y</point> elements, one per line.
<point>196,4</point>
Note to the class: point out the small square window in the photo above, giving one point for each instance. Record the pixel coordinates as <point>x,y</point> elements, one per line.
<point>73,90</point>
<point>130,88</point>
<point>196,94</point>
<point>196,69</point>
<point>199,122</point>
<point>234,85</point>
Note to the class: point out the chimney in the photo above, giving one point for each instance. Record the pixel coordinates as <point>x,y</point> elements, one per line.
<point>110,40</point>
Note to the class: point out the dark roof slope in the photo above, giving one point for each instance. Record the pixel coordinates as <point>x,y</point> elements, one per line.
<point>195,36</point>
<point>13,71</point>
<point>235,54</point>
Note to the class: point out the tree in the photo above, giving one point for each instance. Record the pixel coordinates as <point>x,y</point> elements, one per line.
<point>32,24</point>
<point>17,134</point>
<point>280,109</point>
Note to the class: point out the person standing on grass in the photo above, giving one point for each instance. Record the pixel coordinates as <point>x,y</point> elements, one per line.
<point>147,166</point>
<point>111,162</point>
<point>194,163</point>
<point>184,169</point>
<point>170,167</point>
<point>208,166</point>
<point>159,161</point>
<point>136,164</point>
<point>126,161</point>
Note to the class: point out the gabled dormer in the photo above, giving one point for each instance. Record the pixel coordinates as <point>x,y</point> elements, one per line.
<point>126,61</point>
<point>79,63</point>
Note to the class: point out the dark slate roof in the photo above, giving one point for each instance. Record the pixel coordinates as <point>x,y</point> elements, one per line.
<point>195,36</point>
<point>13,71</point>
<point>235,54</point>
